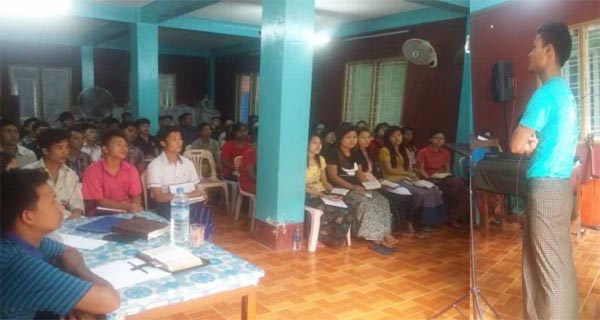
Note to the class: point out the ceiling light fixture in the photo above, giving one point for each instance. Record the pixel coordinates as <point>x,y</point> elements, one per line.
<point>378,35</point>
<point>34,8</point>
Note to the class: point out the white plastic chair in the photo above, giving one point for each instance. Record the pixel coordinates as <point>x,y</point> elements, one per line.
<point>315,224</point>
<point>234,186</point>
<point>251,197</point>
<point>198,157</point>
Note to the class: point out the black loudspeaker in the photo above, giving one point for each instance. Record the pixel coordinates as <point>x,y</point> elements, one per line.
<point>503,81</point>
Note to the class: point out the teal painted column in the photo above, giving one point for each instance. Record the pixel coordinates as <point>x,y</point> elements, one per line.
<point>464,129</point>
<point>285,86</point>
<point>87,67</point>
<point>210,77</point>
<point>144,72</point>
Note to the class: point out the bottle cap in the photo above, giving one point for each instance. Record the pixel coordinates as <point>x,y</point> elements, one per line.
<point>179,190</point>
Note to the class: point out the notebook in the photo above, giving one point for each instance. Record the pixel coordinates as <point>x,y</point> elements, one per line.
<point>171,258</point>
<point>339,191</point>
<point>440,175</point>
<point>334,203</point>
<point>142,227</point>
<point>423,184</point>
<point>102,225</point>
<point>389,184</point>
<point>372,185</point>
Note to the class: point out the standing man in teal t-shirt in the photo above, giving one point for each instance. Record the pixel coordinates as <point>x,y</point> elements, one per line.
<point>548,132</point>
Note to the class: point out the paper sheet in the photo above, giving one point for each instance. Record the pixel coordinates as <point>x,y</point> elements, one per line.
<point>81,242</point>
<point>400,190</point>
<point>339,191</point>
<point>389,184</point>
<point>334,203</point>
<point>121,275</point>
<point>372,185</point>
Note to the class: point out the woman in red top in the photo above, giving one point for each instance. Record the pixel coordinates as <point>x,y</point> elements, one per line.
<point>436,159</point>
<point>248,170</point>
<point>233,148</point>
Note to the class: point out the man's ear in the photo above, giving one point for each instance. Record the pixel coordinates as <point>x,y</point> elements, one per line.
<point>27,217</point>
<point>163,144</point>
<point>104,149</point>
<point>45,151</point>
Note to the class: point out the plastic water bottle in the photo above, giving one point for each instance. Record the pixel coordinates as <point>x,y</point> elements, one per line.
<point>180,218</point>
<point>296,244</point>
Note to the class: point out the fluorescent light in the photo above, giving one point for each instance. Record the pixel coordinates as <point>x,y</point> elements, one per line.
<point>33,8</point>
<point>320,40</point>
<point>378,35</point>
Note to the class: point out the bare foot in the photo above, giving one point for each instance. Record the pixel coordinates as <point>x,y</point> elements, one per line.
<point>389,240</point>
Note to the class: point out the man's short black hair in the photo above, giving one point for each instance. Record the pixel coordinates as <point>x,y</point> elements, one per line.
<point>142,121</point>
<point>6,123</point>
<point>126,124</point>
<point>30,120</point>
<point>556,34</point>
<point>21,195</point>
<point>202,125</point>
<point>213,118</point>
<point>51,137</point>
<point>109,121</point>
<point>161,118</point>
<point>77,128</point>
<point>64,116</point>
<point>181,117</point>
<point>165,131</point>
<point>87,126</point>
<point>40,124</point>
<point>126,113</point>
<point>109,135</point>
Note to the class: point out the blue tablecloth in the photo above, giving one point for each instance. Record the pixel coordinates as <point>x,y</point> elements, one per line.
<point>225,271</point>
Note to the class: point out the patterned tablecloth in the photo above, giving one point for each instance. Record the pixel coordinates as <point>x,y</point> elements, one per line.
<point>225,271</point>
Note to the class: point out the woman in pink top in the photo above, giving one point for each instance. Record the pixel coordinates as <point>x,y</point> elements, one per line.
<point>233,148</point>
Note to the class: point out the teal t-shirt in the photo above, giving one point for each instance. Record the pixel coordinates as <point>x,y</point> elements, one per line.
<point>552,113</point>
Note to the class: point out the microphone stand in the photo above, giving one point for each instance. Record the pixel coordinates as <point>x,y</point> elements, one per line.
<point>474,291</point>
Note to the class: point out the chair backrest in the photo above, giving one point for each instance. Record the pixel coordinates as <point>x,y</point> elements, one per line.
<point>237,162</point>
<point>144,178</point>
<point>198,156</point>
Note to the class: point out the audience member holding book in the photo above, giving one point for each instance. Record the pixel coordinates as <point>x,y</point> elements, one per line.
<point>434,163</point>
<point>395,165</point>
<point>54,144</point>
<point>39,277</point>
<point>111,182</point>
<point>170,169</point>
<point>233,148</point>
<point>335,221</point>
<point>372,216</point>
<point>399,203</point>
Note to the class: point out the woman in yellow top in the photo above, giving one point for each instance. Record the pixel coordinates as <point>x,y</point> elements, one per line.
<point>335,221</point>
<point>397,168</point>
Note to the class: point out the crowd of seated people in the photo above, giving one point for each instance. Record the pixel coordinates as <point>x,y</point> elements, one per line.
<point>87,172</point>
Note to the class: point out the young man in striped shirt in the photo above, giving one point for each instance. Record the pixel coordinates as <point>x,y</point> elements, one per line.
<point>39,277</point>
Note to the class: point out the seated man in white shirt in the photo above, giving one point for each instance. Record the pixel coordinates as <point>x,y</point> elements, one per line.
<point>54,145</point>
<point>90,142</point>
<point>169,169</point>
<point>9,143</point>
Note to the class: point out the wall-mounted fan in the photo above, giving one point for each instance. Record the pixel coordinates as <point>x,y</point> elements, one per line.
<point>419,51</point>
<point>95,103</point>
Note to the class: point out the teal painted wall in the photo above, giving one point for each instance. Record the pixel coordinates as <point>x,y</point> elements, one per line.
<point>144,72</point>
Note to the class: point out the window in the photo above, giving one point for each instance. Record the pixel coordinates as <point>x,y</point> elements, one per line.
<point>374,91</point>
<point>43,92</point>
<point>582,73</point>
<point>167,90</point>
<point>246,98</point>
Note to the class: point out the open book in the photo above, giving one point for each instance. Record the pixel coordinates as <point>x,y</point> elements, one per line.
<point>389,184</point>
<point>339,191</point>
<point>440,175</point>
<point>334,203</point>
<point>171,258</point>
<point>423,184</point>
<point>372,185</point>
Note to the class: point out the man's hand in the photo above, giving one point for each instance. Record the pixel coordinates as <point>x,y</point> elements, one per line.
<point>75,214</point>
<point>134,207</point>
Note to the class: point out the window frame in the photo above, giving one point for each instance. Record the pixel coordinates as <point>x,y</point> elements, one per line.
<point>584,98</point>
<point>374,87</point>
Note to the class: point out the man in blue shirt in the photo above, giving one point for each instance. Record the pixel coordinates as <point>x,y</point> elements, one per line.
<point>39,276</point>
<point>548,132</point>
